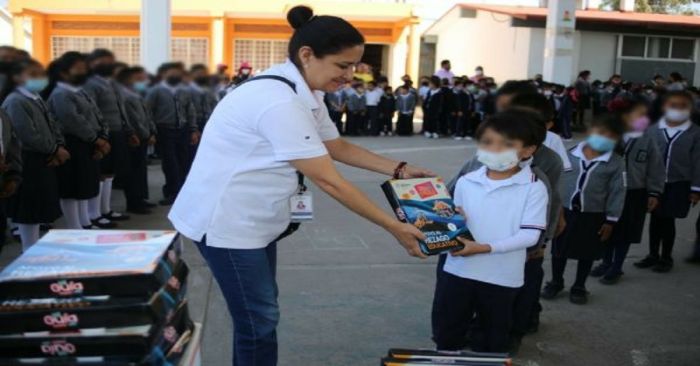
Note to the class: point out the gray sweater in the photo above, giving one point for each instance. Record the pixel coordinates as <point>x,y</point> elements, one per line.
<point>681,155</point>
<point>600,184</point>
<point>77,114</point>
<point>406,104</point>
<point>172,108</point>
<point>138,114</point>
<point>11,150</point>
<point>109,100</point>
<point>645,168</point>
<point>204,101</point>
<point>356,103</point>
<point>34,126</point>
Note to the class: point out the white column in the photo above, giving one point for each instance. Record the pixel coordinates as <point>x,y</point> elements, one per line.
<point>155,33</point>
<point>560,42</point>
<point>217,40</point>
<point>18,33</point>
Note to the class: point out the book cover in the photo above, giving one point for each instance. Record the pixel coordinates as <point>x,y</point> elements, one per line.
<point>426,203</point>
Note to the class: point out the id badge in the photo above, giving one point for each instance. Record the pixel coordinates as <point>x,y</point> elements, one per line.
<point>301,207</point>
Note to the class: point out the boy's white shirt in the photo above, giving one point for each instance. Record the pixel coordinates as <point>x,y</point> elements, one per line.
<point>554,142</point>
<point>497,210</point>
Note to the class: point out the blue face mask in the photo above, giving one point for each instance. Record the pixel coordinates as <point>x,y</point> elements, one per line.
<point>36,85</point>
<point>600,143</point>
<point>141,86</point>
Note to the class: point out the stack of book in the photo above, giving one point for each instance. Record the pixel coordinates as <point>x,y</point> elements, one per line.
<point>424,357</point>
<point>91,297</point>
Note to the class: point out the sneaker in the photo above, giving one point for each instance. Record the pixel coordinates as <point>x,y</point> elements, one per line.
<point>436,136</point>
<point>115,216</point>
<point>663,265</point>
<point>459,138</point>
<point>382,134</point>
<point>468,138</point>
<point>600,270</point>
<point>578,295</point>
<point>427,135</point>
<point>611,278</point>
<point>390,133</point>
<point>103,223</point>
<point>551,290</point>
<point>647,262</point>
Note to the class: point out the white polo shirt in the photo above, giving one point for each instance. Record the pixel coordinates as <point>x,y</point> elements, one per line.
<point>238,189</point>
<point>554,142</point>
<point>373,97</point>
<point>497,210</point>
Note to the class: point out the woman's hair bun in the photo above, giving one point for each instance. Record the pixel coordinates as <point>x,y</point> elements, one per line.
<point>299,15</point>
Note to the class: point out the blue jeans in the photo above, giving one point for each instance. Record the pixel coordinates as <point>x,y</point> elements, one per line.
<point>247,280</point>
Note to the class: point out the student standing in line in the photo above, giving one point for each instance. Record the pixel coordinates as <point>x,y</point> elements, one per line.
<point>10,168</point>
<point>372,98</point>
<point>357,111</point>
<point>433,106</point>
<point>36,200</point>
<point>463,110</point>
<point>484,277</point>
<point>645,184</point>
<point>133,82</point>
<point>406,106</point>
<point>86,135</point>
<point>446,121</point>
<point>593,193</point>
<point>387,109</point>
<point>203,96</point>
<point>679,141</point>
<point>175,118</point>
<point>102,89</point>
<point>335,102</point>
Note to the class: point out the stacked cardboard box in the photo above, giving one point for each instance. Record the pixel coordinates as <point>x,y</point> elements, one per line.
<point>91,297</point>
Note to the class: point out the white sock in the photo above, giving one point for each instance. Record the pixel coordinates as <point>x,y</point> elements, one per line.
<point>106,196</point>
<point>94,206</point>
<point>29,234</point>
<point>83,214</point>
<point>70,213</point>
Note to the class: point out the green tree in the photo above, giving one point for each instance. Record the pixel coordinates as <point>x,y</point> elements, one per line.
<point>654,6</point>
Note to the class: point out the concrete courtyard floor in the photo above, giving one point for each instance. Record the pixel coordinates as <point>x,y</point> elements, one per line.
<point>348,292</point>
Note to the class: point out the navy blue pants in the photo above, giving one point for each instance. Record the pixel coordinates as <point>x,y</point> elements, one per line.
<point>247,280</point>
<point>137,185</point>
<point>174,149</point>
<point>527,308</point>
<point>614,256</point>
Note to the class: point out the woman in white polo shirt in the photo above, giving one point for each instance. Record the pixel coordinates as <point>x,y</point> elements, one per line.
<point>235,202</point>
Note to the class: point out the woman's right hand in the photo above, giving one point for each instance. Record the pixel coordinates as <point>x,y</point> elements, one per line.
<point>408,236</point>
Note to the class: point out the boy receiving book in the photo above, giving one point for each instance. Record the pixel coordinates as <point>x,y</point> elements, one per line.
<point>506,209</point>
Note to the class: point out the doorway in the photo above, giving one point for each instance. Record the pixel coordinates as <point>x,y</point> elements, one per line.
<point>374,56</point>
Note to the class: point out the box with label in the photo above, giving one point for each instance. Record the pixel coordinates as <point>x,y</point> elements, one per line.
<point>426,203</point>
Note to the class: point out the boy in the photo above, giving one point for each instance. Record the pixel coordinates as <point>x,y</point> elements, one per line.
<point>387,109</point>
<point>464,103</point>
<point>336,106</point>
<point>203,96</point>
<point>433,107</point>
<point>176,121</point>
<point>405,105</point>
<point>484,277</point>
<point>372,98</point>
<point>357,110</point>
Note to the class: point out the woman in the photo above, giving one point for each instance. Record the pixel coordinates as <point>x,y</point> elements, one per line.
<point>235,202</point>
<point>583,87</point>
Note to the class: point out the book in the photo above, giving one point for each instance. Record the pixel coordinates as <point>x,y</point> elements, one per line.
<point>450,356</point>
<point>426,203</point>
<point>74,263</point>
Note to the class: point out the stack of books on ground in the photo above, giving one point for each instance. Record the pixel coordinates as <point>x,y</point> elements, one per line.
<point>425,357</point>
<point>91,297</point>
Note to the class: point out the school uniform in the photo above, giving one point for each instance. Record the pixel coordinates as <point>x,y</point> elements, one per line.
<point>554,142</point>
<point>36,200</point>
<point>335,102</point>
<point>406,106</point>
<point>448,114</point>
<point>387,109</point>
<point>464,103</point>
<point>645,178</point>
<point>372,99</point>
<point>204,102</point>
<point>565,115</point>
<point>82,124</point>
<point>357,111</point>
<point>681,157</point>
<point>11,153</point>
<point>140,116</point>
<point>487,284</point>
<point>175,118</point>
<point>433,107</point>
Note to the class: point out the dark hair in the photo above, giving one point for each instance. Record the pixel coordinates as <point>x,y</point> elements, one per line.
<point>435,81</point>
<point>324,34</point>
<point>676,76</point>
<point>127,72</point>
<point>535,102</point>
<point>198,67</point>
<point>584,73</point>
<point>516,124</point>
<point>99,53</point>
<point>15,69</point>
<point>610,122</point>
<point>444,62</point>
<point>169,66</point>
<point>58,66</point>
<point>517,87</point>
<point>679,94</point>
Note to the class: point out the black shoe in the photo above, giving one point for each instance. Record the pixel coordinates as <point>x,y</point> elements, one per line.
<point>148,204</point>
<point>45,227</point>
<point>534,325</point>
<point>600,270</point>
<point>647,262</point>
<point>115,216</point>
<point>104,223</point>
<point>139,210</point>
<point>166,202</point>
<point>611,278</point>
<point>578,295</point>
<point>663,265</point>
<point>551,290</point>
<point>90,227</point>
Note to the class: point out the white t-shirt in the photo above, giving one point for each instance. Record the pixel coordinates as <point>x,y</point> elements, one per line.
<point>238,189</point>
<point>497,210</point>
<point>554,142</point>
<point>372,97</point>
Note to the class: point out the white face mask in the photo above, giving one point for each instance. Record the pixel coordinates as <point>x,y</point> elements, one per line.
<point>677,115</point>
<point>498,161</point>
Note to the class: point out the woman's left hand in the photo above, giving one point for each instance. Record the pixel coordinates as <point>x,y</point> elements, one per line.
<point>411,171</point>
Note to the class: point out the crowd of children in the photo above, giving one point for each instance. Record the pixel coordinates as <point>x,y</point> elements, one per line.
<point>87,124</point>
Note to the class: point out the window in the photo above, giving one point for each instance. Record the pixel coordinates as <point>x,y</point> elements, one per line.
<point>261,54</point>
<point>190,50</point>
<point>656,47</point>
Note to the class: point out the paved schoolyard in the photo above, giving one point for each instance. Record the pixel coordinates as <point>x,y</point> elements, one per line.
<point>348,292</point>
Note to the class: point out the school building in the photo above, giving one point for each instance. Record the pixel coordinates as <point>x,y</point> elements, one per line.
<point>214,31</point>
<point>509,42</point>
